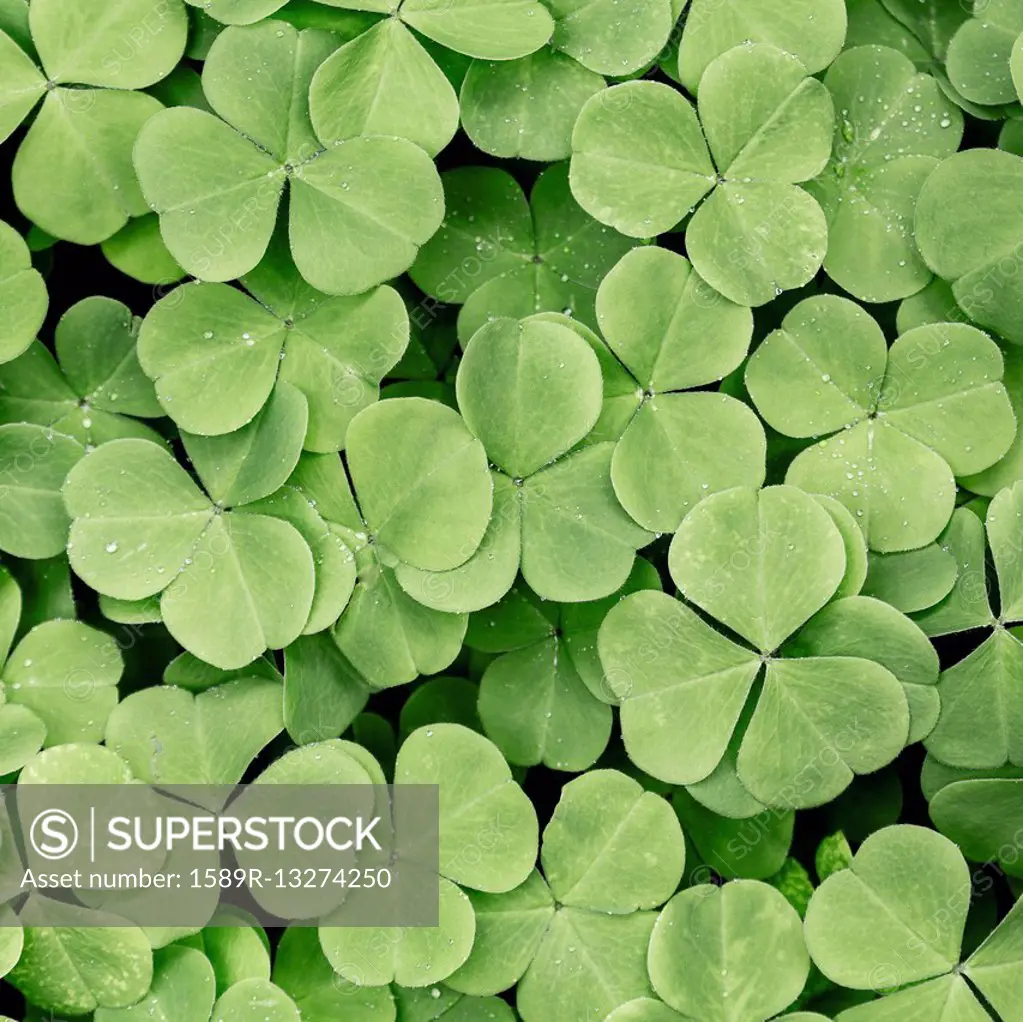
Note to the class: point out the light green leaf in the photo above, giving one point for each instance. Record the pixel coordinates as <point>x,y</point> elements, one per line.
<point>979,815</point>
<point>607,39</point>
<point>491,30</point>
<point>255,996</point>
<point>138,251</point>
<point>23,296</point>
<point>911,581</point>
<point>980,51</point>
<point>183,989</point>
<point>323,693</point>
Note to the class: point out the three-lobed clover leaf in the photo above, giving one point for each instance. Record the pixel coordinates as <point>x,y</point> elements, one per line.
<point>894,921</point>
<point>94,390</point>
<point>894,125</point>
<point>420,504</point>
<point>762,563</point>
<point>216,354</point>
<point>672,333</point>
<point>900,423</point>
<point>643,161</point>
<point>576,942</point>
<point>498,255</point>
<point>358,211</point>
<point>974,245</point>
<point>544,698</point>
<point>72,174</point>
<point>531,391</point>
<point>231,582</point>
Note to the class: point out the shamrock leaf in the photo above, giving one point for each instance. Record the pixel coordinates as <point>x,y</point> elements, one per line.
<point>143,527</point>
<point>762,563</point>
<point>671,333</point>
<point>642,161</point>
<point>212,339</point>
<point>888,139</point>
<point>182,988</point>
<point>358,211</point>
<point>251,996</point>
<point>422,504</point>
<point>23,296</point>
<point>894,920</point>
<point>979,53</point>
<point>981,722</point>
<point>72,174</point>
<point>913,580</point>
<point>909,418</point>
<point>584,956</point>
<point>812,30</point>
<point>548,654</point>
<point>497,255</point>
<point>530,391</point>
<point>526,108</point>
<point>966,242</point>
<point>742,945</point>
<point>609,40</point>
<point>92,388</point>
<point>168,735</point>
<point>138,251</point>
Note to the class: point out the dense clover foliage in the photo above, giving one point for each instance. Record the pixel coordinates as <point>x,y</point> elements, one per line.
<point>607,411</point>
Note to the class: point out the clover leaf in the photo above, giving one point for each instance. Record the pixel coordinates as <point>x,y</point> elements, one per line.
<point>72,174</point>
<point>547,654</point>
<point>251,996</point>
<point>732,939</point>
<point>981,725</point>
<point>421,502</point>
<point>204,561</point>
<point>812,30</point>
<point>762,563</point>
<point>913,580</point>
<point>979,53</point>
<point>497,255</point>
<point>530,391</point>
<point>672,333</point>
<point>526,108</point>
<point>966,243</point>
<point>888,139</point>
<point>894,920</point>
<point>93,389</point>
<point>907,419</point>
<point>756,233</point>
<point>182,988</point>
<point>584,956</point>
<point>23,296</point>
<point>358,211</point>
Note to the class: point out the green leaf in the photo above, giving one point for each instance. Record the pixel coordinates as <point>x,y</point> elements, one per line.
<point>256,460</point>
<point>723,933</point>
<point>611,846</point>
<point>896,916</point>
<point>979,53</point>
<point>182,988</point>
<point>255,996</point>
<point>23,296</point>
<point>373,956</point>
<point>67,674</point>
<point>760,562</point>
<point>169,736</point>
<point>526,108</point>
<point>607,39</point>
<point>978,815</point>
<point>422,482</point>
<point>965,243</point>
<point>22,734</point>
<point>477,798</point>
<point>911,581</point>
<point>128,44</point>
<point>812,30</point>
<point>495,30</point>
<point>383,83</point>
<point>78,969</point>
<point>323,693</point>
<point>894,125</point>
<point>138,251</point>
<point>34,463</point>
<point>639,159</point>
<point>700,685</point>
<point>509,929</point>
